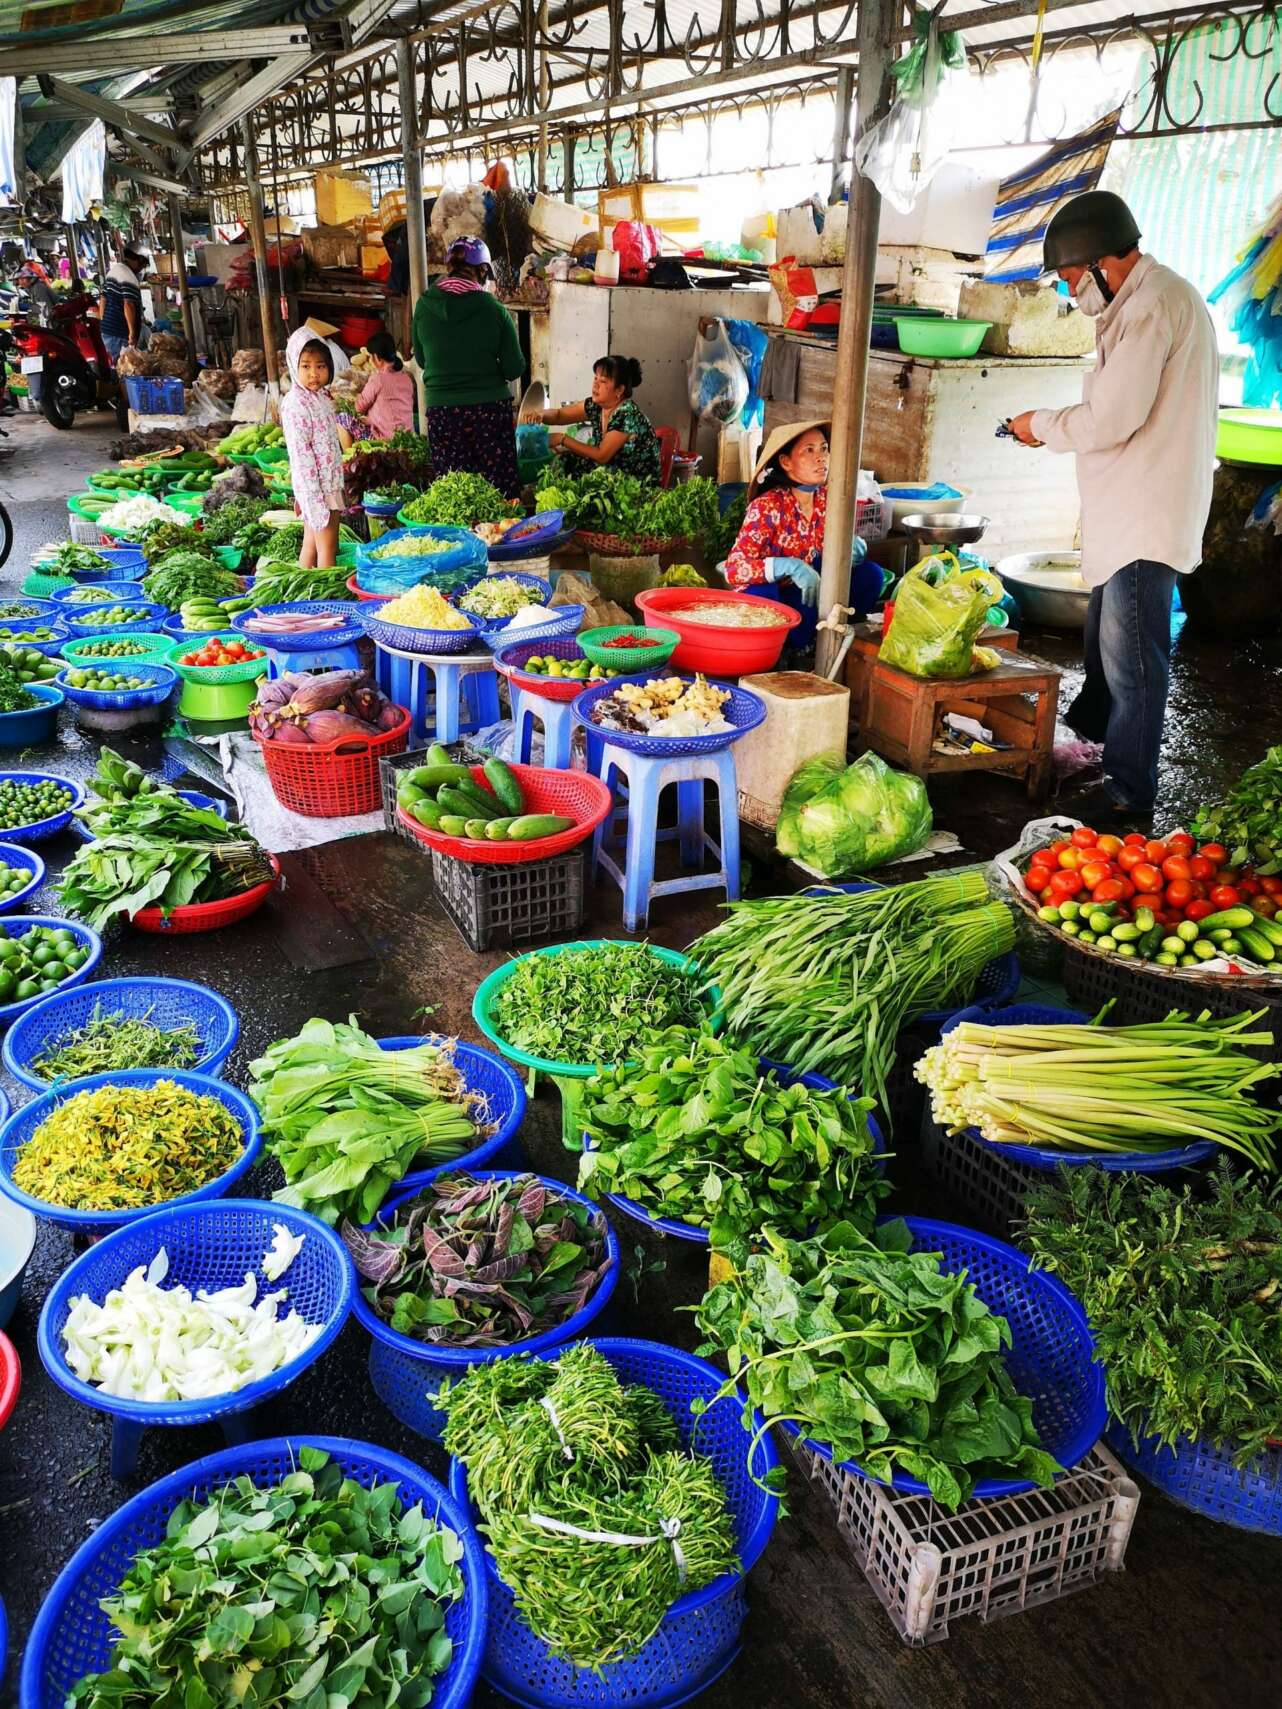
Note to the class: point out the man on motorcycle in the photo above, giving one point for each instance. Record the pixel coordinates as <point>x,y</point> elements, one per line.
<point>122,303</point>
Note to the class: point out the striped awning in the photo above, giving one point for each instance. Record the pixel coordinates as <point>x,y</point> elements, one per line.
<point>1027,199</point>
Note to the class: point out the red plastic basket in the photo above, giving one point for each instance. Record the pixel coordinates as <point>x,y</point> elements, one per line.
<point>10,1378</point>
<point>354,588</point>
<point>336,779</point>
<point>709,647</point>
<point>584,798</point>
<point>209,916</point>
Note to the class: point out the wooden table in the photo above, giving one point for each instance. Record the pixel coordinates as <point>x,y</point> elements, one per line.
<point>866,645</point>
<point>899,716</point>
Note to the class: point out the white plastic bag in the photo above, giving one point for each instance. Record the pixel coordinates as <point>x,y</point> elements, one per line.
<point>903,152</point>
<point>718,385</point>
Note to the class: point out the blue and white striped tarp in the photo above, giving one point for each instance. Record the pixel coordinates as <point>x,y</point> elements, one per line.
<point>1027,199</point>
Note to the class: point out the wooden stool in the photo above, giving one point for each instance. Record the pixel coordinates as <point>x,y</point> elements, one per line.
<point>866,644</point>
<point>1017,702</point>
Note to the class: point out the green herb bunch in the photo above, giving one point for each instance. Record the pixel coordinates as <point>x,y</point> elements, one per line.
<point>879,1353</point>
<point>460,500</point>
<point>1249,819</point>
<point>310,1591</point>
<point>161,538</point>
<point>14,694</point>
<point>189,575</point>
<point>693,1130</point>
<point>1183,1287</point>
<point>220,524</point>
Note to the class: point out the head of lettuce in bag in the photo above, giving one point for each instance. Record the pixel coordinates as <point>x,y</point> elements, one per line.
<point>940,609</point>
<point>841,819</point>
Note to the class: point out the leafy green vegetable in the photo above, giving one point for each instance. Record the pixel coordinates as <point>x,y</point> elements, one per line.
<point>283,583</point>
<point>111,1039</point>
<point>879,1353</point>
<point>71,559</point>
<point>162,538</point>
<point>284,544</point>
<point>346,1120</point>
<point>14,695</point>
<point>221,524</point>
<point>186,575</point>
<point>603,501</point>
<point>460,500</point>
<point>1183,1287</point>
<point>693,1131</point>
<point>306,1592</point>
<point>1249,819</point>
<point>412,446</point>
<point>719,540</point>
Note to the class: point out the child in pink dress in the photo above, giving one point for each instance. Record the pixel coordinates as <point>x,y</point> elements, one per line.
<point>315,452</point>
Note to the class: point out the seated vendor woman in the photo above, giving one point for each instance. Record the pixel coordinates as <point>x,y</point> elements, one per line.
<point>782,536</point>
<point>621,436</point>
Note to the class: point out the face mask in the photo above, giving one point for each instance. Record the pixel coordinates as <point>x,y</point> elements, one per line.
<point>1090,299</point>
<point>807,486</point>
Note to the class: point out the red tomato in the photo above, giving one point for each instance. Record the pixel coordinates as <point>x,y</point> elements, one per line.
<point>1095,872</point>
<point>1271,886</point>
<point>1216,853</point>
<point>1169,916</point>
<point>1224,896</point>
<point>1045,858</point>
<point>1128,889</point>
<point>1112,890</point>
<point>1064,885</point>
<point>1156,851</point>
<point>1226,875</point>
<point>1070,859</point>
<point>1146,877</point>
<point>1199,910</point>
<point>1200,867</point>
<point>1181,844</point>
<point>1179,893</point>
<point>1248,886</point>
<point>1084,838</point>
<point>1037,881</point>
<point>1175,866</point>
<point>1134,840</point>
<point>1265,906</point>
<point>1130,857</point>
<point>1057,845</point>
<point>1108,845</point>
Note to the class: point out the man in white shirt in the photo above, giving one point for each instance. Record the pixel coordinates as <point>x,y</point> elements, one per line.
<point>1144,439</point>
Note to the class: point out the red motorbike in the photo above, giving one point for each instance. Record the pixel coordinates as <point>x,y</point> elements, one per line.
<point>60,346</point>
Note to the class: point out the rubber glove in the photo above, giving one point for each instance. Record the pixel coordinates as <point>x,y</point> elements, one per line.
<point>858,551</point>
<point>799,573</point>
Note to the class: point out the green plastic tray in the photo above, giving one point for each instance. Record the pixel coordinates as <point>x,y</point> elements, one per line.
<point>273,459</point>
<point>923,335</point>
<point>1250,436</point>
<point>89,505</point>
<point>158,646</point>
<point>593,643</point>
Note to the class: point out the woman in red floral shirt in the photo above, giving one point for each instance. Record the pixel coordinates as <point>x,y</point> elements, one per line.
<point>782,537</point>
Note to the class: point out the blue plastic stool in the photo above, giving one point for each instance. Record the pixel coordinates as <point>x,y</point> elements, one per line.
<point>557,719</point>
<point>322,659</point>
<point>448,695</point>
<point>645,777</point>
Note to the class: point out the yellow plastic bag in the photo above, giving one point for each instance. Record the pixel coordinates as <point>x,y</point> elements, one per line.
<point>939,612</point>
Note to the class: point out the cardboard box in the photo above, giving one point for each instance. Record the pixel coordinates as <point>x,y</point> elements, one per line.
<point>342,196</point>
<point>954,212</point>
<point>374,258</point>
<point>332,246</point>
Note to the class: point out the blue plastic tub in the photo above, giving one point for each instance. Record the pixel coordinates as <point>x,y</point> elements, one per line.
<point>13,854</point>
<point>18,925</point>
<point>20,1127</point>
<point>406,1373</point>
<point>11,633</point>
<point>210,1245</point>
<point>38,723</point>
<point>1203,1478</point>
<point>192,796</point>
<point>44,608</point>
<point>504,1090</point>
<point>143,614</point>
<point>41,828</point>
<point>308,641</point>
<point>1051,1359</point>
<point>104,593</point>
<point>159,682</point>
<point>743,712</point>
<point>566,620</point>
<point>72,1636</point>
<point>699,1636</point>
<point>168,1003</point>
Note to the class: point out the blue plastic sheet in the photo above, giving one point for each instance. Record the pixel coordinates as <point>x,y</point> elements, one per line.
<point>390,574</point>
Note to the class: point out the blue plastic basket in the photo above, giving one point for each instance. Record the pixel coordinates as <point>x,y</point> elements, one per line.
<point>20,1127</point>
<point>504,1091</point>
<point>168,1003</point>
<point>550,526</point>
<point>72,1636</point>
<point>1051,1358</point>
<point>104,593</point>
<point>192,796</point>
<point>536,584</point>
<point>404,638</point>
<point>34,724</point>
<point>18,925</point>
<point>700,1236</point>
<point>13,854</point>
<point>743,712</point>
<point>1202,1477</point>
<point>44,608</point>
<point>565,621</point>
<point>63,631</point>
<point>406,1373</point>
<point>143,613</point>
<point>41,828</point>
<point>310,640</point>
<point>160,682</point>
<point>121,561</point>
<point>210,1246</point>
<point>1046,1159</point>
<point>699,1636</point>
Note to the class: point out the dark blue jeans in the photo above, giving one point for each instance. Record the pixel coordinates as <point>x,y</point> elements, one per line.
<point>1128,659</point>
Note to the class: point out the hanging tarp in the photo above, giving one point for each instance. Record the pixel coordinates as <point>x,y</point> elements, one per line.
<point>82,173</point>
<point>1027,199</point>
<point>8,168</point>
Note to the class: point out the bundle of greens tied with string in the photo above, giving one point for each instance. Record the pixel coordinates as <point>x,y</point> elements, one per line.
<point>597,1518</point>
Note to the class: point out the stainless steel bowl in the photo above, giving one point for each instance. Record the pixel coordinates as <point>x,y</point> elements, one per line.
<point>944,528</point>
<point>1047,587</point>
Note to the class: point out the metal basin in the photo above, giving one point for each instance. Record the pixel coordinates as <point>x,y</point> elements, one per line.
<point>944,528</point>
<point>1048,588</point>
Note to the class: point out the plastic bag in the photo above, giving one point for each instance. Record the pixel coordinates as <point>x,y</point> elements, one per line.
<point>637,246</point>
<point>718,386</point>
<point>389,574</point>
<point>839,820</point>
<point>903,152</point>
<point>938,615</point>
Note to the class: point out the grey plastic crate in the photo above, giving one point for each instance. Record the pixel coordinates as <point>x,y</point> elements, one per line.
<point>990,1558</point>
<point>512,903</point>
<point>389,772</point>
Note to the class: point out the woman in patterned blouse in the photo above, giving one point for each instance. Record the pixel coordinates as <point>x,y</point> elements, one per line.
<point>782,537</point>
<point>622,437</point>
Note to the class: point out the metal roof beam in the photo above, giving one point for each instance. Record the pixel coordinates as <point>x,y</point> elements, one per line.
<point>110,112</point>
<point>154,179</point>
<point>132,53</point>
<point>211,121</point>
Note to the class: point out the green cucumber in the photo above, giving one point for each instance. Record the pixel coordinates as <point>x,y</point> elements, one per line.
<point>1233,918</point>
<point>1256,945</point>
<point>497,829</point>
<point>453,825</point>
<point>476,829</point>
<point>433,776</point>
<point>427,813</point>
<point>438,754</point>
<point>532,825</point>
<point>503,782</point>
<point>488,803</point>
<point>455,801</point>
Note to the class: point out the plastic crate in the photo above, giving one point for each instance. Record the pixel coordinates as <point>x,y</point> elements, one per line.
<point>334,780</point>
<point>155,397</point>
<point>390,768</point>
<point>511,904</point>
<point>1145,995</point>
<point>990,1558</point>
<point>1202,1477</point>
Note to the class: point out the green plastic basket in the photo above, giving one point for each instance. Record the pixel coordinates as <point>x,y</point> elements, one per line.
<point>230,557</point>
<point>273,459</point>
<point>625,659</point>
<point>37,586</point>
<point>216,676</point>
<point>158,647</point>
<point>89,506</point>
<point>192,503</point>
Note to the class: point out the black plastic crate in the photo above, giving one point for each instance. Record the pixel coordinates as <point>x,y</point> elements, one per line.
<point>511,903</point>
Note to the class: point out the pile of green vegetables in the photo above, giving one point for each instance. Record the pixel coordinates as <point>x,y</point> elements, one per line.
<point>189,575</point>
<point>881,1355</point>
<point>283,583</point>
<point>571,1473</point>
<point>153,849</point>
<point>468,1263</point>
<point>1183,1288</point>
<point>161,538</point>
<point>412,446</point>
<point>1096,1088</point>
<point>112,1039</point>
<point>460,500</point>
<point>68,558</point>
<point>605,502</point>
<point>284,544</point>
<point>220,524</point>
<point>595,1003</point>
<point>826,983</point>
<point>311,1591</point>
<point>14,695</point>
<point>346,1120</point>
<point>693,1130</point>
<point>1249,819</point>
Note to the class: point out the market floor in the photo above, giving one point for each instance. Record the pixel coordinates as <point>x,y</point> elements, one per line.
<point>358,931</point>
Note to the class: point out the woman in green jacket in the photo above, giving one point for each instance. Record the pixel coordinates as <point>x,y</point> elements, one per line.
<point>466,344</point>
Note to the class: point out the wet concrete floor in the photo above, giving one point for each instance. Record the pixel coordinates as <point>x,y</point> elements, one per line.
<point>1192,1620</point>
